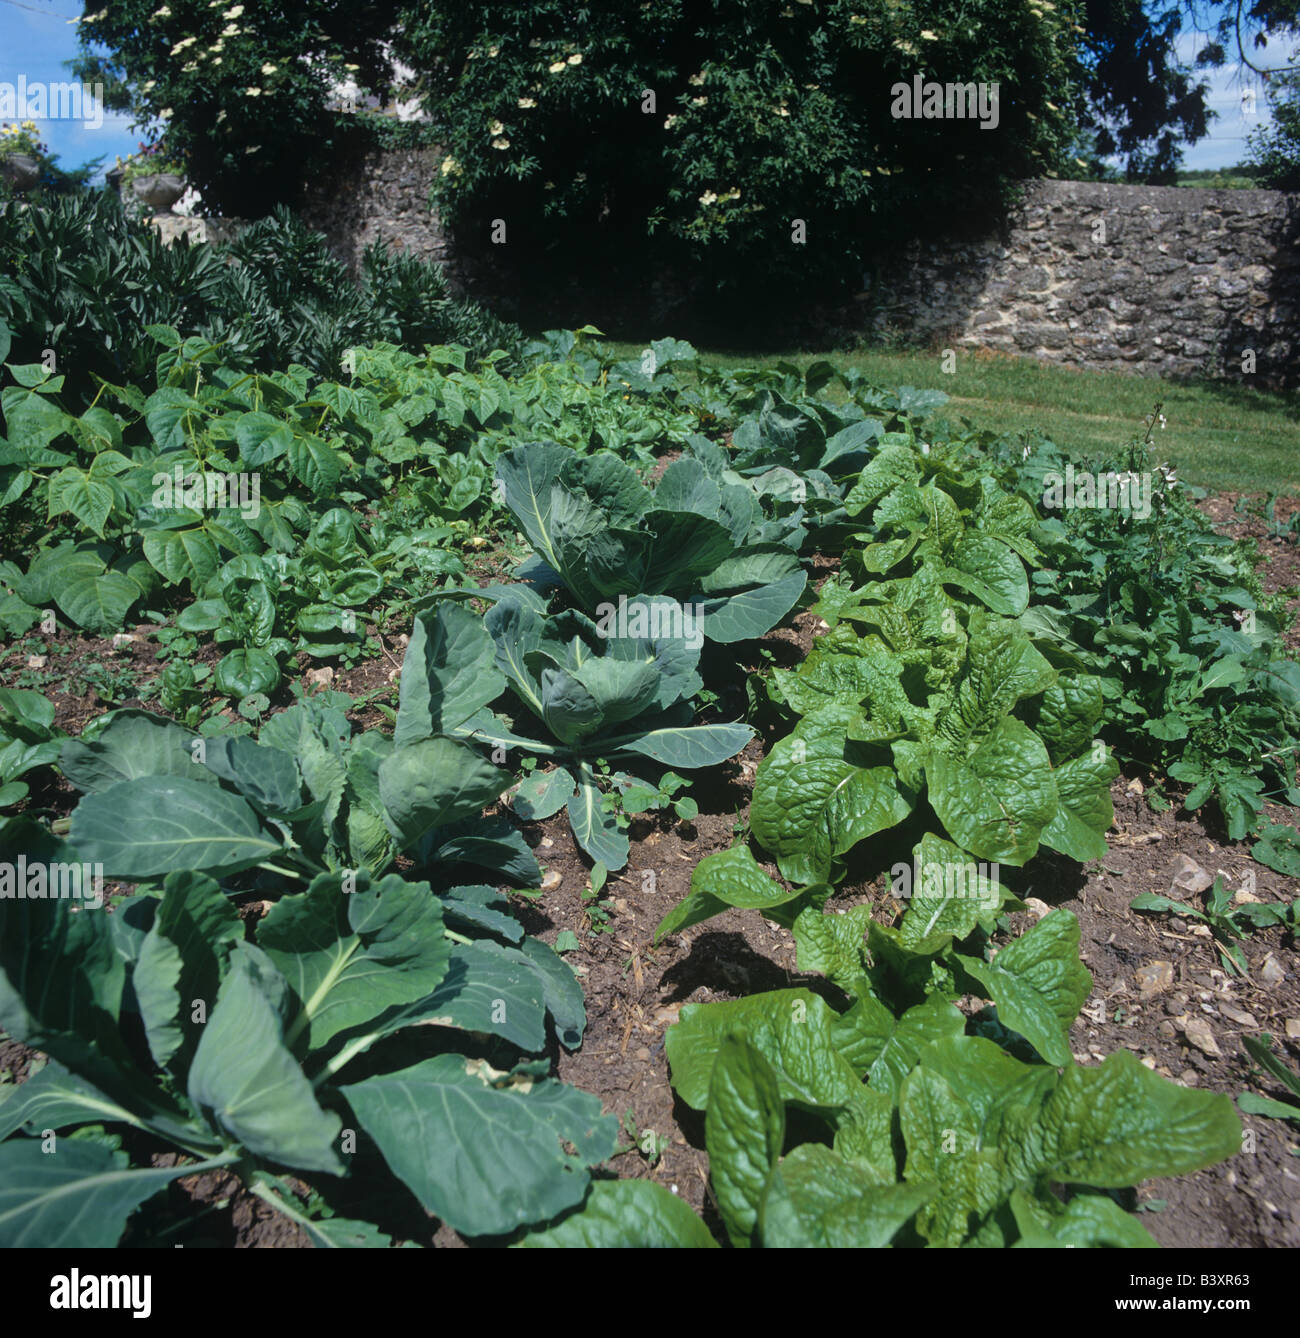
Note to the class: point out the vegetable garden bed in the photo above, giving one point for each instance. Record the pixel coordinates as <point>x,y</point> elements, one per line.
<point>667,904</point>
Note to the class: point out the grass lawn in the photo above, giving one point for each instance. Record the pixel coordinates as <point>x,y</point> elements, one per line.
<point>1222,435</point>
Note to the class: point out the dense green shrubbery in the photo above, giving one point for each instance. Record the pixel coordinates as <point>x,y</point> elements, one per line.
<point>623,136</point>
<point>244,89</point>
<point>83,280</point>
<point>663,131</point>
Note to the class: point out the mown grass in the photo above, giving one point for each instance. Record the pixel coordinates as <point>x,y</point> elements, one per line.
<point>1222,435</point>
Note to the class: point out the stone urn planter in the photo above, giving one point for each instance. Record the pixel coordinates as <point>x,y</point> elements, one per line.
<point>159,192</point>
<point>21,169</point>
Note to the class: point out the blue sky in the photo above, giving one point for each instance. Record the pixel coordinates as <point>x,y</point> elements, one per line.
<point>36,38</point>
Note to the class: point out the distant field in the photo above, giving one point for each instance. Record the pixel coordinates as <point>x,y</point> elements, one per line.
<point>1223,436</point>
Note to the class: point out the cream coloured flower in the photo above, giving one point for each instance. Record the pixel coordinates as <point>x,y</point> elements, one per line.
<point>268,68</point>
<point>556,67</point>
<point>231,30</point>
<point>527,102</point>
<point>495,127</point>
<point>700,101</point>
<point>501,142</point>
<point>234,12</point>
<point>696,79</point>
<point>576,58</point>
<point>669,122</point>
<point>708,198</point>
<point>252,92</point>
<point>928,36</point>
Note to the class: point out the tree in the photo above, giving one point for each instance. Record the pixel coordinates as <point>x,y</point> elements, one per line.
<point>244,90</point>
<point>758,146</point>
<point>1140,102</point>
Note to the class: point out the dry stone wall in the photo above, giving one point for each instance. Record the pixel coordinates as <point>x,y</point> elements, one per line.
<point>1155,279</point>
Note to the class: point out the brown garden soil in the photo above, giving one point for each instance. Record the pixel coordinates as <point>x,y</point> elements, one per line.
<point>1160,990</point>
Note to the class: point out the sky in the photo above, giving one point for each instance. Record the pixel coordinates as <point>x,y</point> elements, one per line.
<point>36,37</point>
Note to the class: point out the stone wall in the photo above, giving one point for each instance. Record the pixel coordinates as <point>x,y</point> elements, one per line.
<point>1152,279</point>
<point>1164,280</point>
<point>379,196</point>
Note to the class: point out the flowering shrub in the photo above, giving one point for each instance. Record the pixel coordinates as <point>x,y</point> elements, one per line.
<point>16,137</point>
<point>636,134</point>
<point>243,91</point>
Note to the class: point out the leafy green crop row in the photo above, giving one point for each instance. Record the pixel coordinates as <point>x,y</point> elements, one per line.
<point>334,895</point>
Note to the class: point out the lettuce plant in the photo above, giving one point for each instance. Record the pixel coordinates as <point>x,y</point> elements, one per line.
<point>938,699</point>
<point>895,1118</point>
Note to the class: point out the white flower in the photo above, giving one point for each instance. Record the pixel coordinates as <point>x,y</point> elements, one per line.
<point>163,13</point>
<point>231,30</point>
<point>708,198</point>
<point>190,68</point>
<point>783,110</point>
<point>669,122</point>
<point>494,50</point>
<point>696,79</point>
<point>221,116</point>
<point>182,44</point>
<point>550,185</point>
<point>495,127</point>
<point>145,88</point>
<point>501,142</point>
<point>556,67</point>
<point>234,12</point>
<point>268,68</point>
<point>928,36</point>
<point>253,148</point>
<point>216,60</point>
<point>252,92</point>
<point>166,113</point>
<point>576,58</point>
<point>700,101</point>
<point>449,166</point>
<point>527,102</point>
